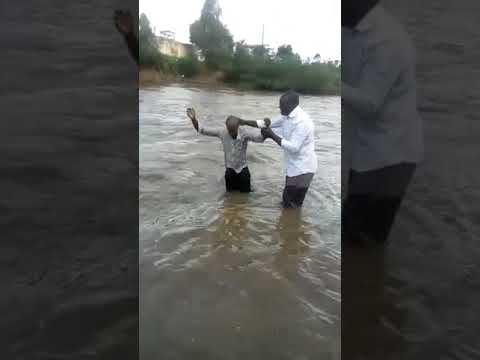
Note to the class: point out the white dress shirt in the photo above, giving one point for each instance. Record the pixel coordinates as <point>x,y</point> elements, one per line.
<point>298,142</point>
<point>379,94</point>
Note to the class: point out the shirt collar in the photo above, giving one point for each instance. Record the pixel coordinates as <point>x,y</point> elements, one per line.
<point>294,113</point>
<point>369,19</point>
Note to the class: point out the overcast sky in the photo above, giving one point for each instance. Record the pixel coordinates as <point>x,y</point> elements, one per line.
<point>310,26</point>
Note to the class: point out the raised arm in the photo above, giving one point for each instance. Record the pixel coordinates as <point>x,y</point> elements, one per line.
<point>124,24</point>
<point>193,117</point>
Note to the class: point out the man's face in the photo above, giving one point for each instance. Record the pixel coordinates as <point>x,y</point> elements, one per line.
<point>285,107</point>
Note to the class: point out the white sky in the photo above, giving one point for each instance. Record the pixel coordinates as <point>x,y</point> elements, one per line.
<point>310,26</point>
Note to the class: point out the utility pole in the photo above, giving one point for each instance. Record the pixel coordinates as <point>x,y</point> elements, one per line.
<point>263,34</point>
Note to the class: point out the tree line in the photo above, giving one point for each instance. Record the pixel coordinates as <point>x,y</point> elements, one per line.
<point>251,67</point>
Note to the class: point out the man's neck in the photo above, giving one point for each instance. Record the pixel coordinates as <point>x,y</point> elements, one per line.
<point>294,112</point>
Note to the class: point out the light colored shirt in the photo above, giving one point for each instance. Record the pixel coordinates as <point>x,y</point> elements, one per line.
<point>235,150</point>
<point>298,141</point>
<point>379,94</point>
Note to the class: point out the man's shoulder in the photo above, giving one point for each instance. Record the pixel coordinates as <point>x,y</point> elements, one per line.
<point>305,118</point>
<point>393,32</point>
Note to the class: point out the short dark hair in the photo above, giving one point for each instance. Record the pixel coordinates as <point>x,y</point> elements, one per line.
<point>231,118</point>
<point>291,97</point>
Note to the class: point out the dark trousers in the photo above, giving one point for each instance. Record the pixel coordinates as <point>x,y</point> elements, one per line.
<point>295,190</point>
<point>238,182</point>
<point>373,200</point>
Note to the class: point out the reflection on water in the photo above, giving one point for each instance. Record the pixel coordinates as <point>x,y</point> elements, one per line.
<point>233,276</point>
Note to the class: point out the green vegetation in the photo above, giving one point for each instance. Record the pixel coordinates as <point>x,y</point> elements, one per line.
<point>212,37</point>
<point>258,68</point>
<point>249,67</point>
<point>150,57</point>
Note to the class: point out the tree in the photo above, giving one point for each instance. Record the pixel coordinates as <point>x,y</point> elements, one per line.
<point>145,33</point>
<point>242,53</point>
<point>211,36</point>
<point>148,52</point>
<point>260,51</point>
<point>285,53</point>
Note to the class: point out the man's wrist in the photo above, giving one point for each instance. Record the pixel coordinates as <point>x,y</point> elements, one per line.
<point>277,139</point>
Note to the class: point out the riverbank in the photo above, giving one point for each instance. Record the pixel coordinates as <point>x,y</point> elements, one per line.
<point>151,77</point>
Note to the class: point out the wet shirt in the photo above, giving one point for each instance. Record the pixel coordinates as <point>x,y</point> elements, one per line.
<point>235,150</point>
<point>298,142</point>
<point>379,97</point>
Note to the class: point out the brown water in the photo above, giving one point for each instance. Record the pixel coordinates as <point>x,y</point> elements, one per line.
<point>233,276</point>
<point>419,297</point>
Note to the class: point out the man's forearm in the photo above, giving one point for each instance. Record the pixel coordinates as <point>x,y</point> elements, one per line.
<point>251,123</point>
<point>132,43</point>
<point>195,124</point>
<point>277,139</point>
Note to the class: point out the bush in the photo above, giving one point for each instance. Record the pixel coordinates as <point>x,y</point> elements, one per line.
<point>280,75</point>
<point>189,66</point>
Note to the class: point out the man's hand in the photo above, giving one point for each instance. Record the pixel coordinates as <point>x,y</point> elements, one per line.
<point>123,21</point>
<point>268,133</point>
<point>191,114</point>
<point>267,122</point>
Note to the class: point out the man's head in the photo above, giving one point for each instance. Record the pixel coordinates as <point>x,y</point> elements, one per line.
<point>232,123</point>
<point>353,11</point>
<point>288,102</point>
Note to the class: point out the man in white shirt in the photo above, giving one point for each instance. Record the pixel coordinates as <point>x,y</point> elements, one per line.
<point>294,132</point>
<point>380,120</point>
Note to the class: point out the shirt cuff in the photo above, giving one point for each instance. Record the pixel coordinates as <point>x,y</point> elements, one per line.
<point>287,145</point>
<point>261,123</point>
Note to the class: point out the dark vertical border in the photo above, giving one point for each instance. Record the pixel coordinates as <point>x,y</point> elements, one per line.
<point>418,296</point>
<point>69,182</point>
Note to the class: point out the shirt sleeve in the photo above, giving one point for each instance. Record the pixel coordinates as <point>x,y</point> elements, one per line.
<point>277,122</point>
<point>300,134</point>
<point>209,132</point>
<point>382,68</point>
<point>254,136</point>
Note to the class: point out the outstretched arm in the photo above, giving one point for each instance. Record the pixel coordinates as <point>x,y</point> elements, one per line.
<point>293,145</point>
<point>124,24</point>
<point>193,117</point>
<point>257,124</point>
<point>255,136</point>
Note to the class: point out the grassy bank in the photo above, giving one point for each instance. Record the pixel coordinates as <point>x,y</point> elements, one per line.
<point>315,79</point>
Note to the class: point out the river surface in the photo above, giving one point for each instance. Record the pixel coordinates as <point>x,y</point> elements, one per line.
<point>232,276</point>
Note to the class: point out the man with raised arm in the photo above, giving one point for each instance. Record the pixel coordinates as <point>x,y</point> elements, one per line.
<point>234,140</point>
